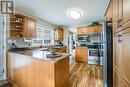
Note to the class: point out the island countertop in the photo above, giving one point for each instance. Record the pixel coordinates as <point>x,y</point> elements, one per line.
<point>41,55</point>
<point>32,68</point>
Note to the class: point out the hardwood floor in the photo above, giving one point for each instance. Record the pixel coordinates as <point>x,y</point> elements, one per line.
<point>84,75</point>
<point>6,84</point>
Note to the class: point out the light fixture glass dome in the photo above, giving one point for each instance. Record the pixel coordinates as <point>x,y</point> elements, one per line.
<point>75,13</point>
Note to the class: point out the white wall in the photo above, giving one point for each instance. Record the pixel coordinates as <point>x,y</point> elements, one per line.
<point>39,21</point>
<point>66,29</point>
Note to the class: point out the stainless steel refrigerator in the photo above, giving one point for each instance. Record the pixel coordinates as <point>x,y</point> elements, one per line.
<point>108,54</point>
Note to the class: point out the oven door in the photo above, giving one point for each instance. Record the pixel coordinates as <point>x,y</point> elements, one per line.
<point>94,57</point>
<point>94,53</point>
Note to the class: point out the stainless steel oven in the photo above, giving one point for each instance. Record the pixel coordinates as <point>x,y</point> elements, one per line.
<point>94,56</point>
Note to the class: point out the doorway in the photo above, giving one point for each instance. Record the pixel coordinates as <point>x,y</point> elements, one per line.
<point>70,42</point>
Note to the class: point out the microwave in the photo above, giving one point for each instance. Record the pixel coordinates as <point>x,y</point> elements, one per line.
<point>82,38</point>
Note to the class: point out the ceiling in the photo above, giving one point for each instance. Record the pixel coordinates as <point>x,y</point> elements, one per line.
<point>54,11</point>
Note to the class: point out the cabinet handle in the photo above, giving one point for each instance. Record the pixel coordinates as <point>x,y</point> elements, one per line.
<point>119,38</point>
<point>120,22</point>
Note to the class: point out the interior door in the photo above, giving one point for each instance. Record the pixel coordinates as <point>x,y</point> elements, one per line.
<point>1,47</point>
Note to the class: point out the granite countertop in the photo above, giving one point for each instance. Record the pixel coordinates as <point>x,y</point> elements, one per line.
<point>41,55</point>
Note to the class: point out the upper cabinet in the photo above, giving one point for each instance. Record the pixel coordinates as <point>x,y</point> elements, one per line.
<point>88,30</point>
<point>125,5</point>
<point>30,28</point>
<point>59,34</point>
<point>108,13</point>
<point>22,26</point>
<point>121,14</point>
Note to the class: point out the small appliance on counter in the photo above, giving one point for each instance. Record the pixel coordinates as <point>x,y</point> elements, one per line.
<point>61,44</point>
<point>15,48</point>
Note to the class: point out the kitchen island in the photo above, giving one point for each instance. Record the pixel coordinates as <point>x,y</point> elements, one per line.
<point>34,69</point>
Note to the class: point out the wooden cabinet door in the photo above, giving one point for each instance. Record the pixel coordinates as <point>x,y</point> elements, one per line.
<point>126,10</point>
<point>108,14</point>
<point>58,34</point>
<point>97,29</point>
<point>91,29</point>
<point>61,34</point>
<point>79,31</point>
<point>84,55</point>
<point>78,54</point>
<point>120,2</point>
<point>118,53</point>
<point>126,53</point>
<point>115,78</point>
<point>81,54</point>
<point>126,83</point>
<point>62,50</point>
<point>87,30</point>
<point>115,13</point>
<point>82,30</point>
<point>30,28</point>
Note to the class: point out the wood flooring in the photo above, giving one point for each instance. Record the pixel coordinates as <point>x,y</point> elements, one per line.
<point>84,75</point>
<point>6,84</point>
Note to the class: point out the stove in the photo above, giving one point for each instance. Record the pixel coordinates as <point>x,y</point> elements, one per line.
<point>95,56</point>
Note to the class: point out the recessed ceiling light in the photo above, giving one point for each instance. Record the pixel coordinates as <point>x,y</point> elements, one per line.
<point>75,13</point>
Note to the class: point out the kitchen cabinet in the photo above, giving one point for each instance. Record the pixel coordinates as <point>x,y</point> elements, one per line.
<point>83,30</point>
<point>88,30</point>
<point>30,71</point>
<point>115,78</point>
<point>108,14</point>
<point>118,50</point>
<point>121,13</point>
<point>81,54</point>
<point>59,34</point>
<point>16,25</point>
<point>95,29</point>
<point>126,83</point>
<point>126,10</point>
<point>115,14</point>
<point>30,28</point>
<point>126,53</point>
<point>22,26</point>
<point>122,54</point>
<point>121,41</point>
<point>61,50</point>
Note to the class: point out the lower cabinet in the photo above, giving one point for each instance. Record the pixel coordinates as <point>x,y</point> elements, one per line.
<point>126,83</point>
<point>115,78</point>
<point>81,54</point>
<point>118,50</point>
<point>121,58</point>
<point>62,50</point>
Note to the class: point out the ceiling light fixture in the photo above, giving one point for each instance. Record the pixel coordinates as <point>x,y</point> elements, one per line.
<point>75,13</point>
